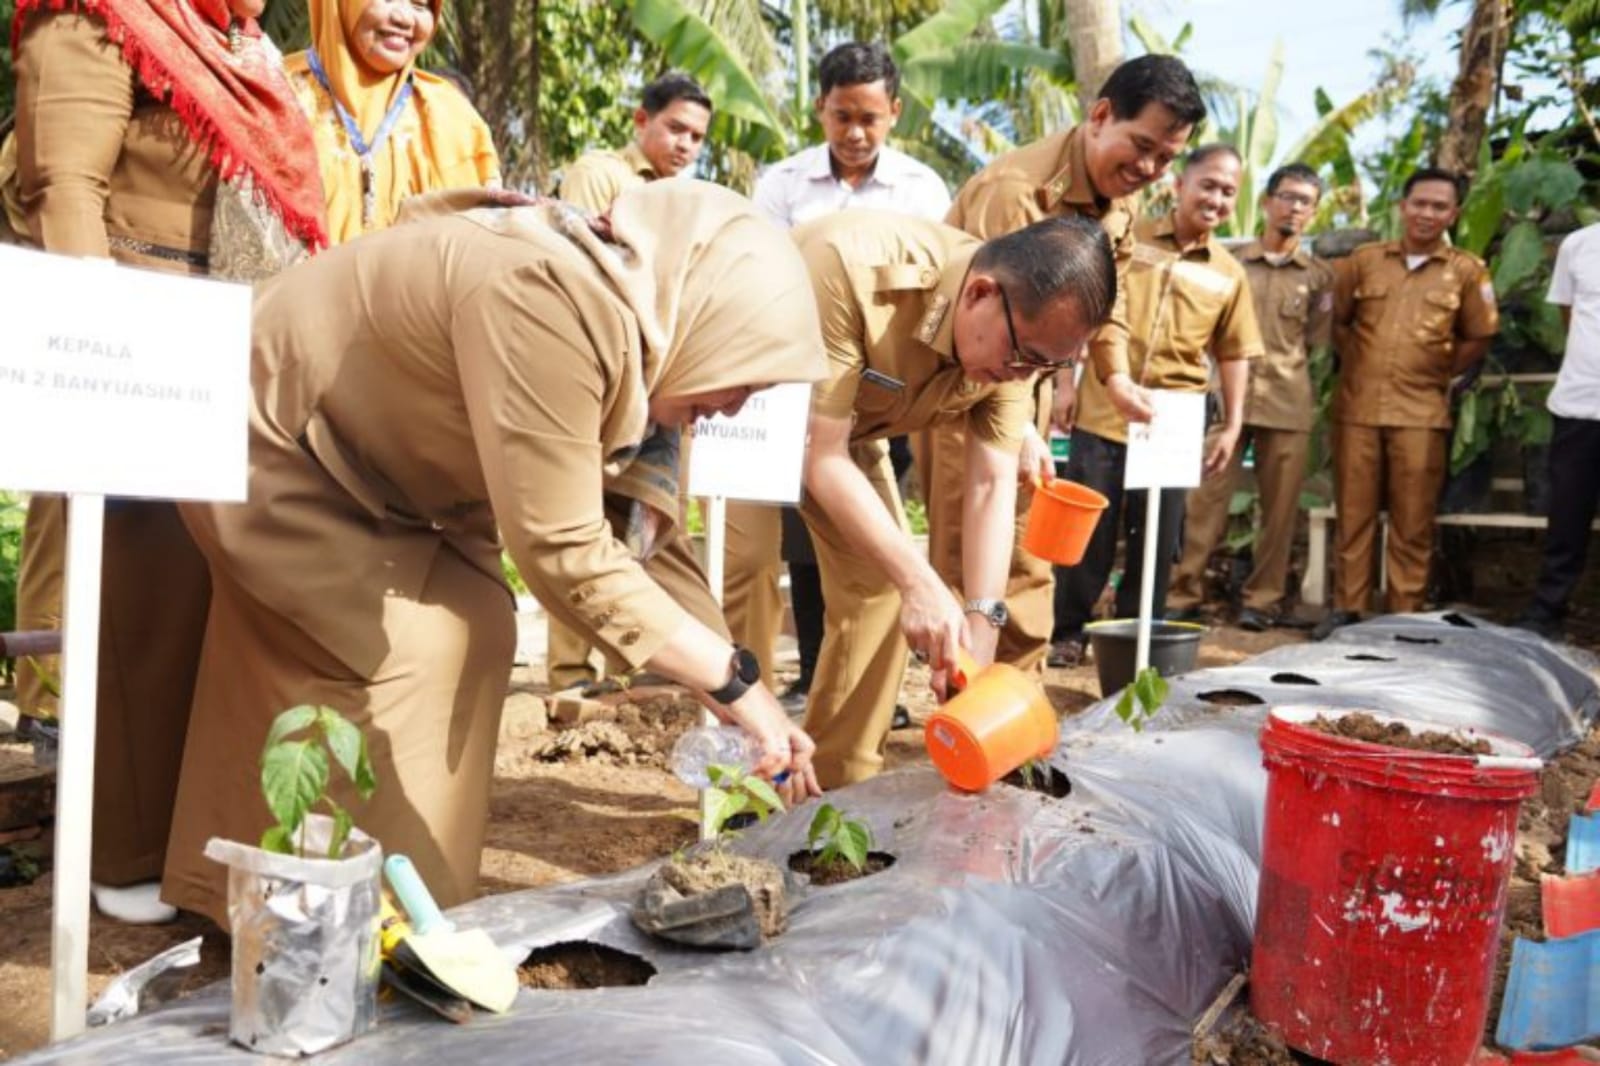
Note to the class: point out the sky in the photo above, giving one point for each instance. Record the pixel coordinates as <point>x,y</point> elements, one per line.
<point>1325,44</point>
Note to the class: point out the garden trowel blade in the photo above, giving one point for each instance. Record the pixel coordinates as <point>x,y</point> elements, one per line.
<point>422,989</point>
<point>466,963</point>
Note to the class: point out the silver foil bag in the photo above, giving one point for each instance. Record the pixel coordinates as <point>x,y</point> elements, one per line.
<point>305,942</point>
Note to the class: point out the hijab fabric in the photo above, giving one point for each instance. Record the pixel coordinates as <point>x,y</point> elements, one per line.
<point>234,103</point>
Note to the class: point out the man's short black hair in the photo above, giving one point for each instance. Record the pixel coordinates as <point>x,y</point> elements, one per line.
<point>1449,177</point>
<point>1161,80</point>
<point>1294,172</point>
<point>855,63</point>
<point>671,87</point>
<point>1057,257</point>
<point>1199,155</point>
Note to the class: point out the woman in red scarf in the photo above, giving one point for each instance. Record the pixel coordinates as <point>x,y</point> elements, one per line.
<point>163,134</point>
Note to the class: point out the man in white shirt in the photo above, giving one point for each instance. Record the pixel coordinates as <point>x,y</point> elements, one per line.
<point>858,105</point>
<point>1574,405</point>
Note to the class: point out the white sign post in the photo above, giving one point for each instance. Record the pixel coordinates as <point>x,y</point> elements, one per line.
<point>1165,453</point>
<point>115,382</point>
<point>756,455</point>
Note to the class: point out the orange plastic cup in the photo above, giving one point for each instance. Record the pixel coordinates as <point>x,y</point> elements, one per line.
<point>999,720</point>
<point>1061,521</point>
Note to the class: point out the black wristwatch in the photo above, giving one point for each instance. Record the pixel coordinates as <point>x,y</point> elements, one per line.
<point>746,672</point>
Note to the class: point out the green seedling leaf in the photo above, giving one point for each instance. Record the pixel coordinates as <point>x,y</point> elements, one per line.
<point>722,805</point>
<point>824,824</point>
<point>854,840</point>
<point>342,825</point>
<point>1151,688</point>
<point>277,839</point>
<point>349,747</point>
<point>1125,710</point>
<point>291,721</point>
<point>294,775</point>
<point>764,797</point>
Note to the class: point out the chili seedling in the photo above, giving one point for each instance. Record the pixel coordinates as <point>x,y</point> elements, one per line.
<point>295,773</point>
<point>835,838</point>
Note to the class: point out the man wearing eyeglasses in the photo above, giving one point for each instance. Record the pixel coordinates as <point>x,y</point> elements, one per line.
<point>1146,111</point>
<point>924,325</point>
<point>1293,294</point>
<point>1188,305</point>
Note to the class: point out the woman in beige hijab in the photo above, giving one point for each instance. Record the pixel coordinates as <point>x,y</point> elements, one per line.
<point>417,389</point>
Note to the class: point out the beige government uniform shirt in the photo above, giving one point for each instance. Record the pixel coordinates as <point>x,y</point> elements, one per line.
<point>1294,308</point>
<point>1184,306</point>
<point>1050,179</point>
<point>886,289</point>
<point>595,178</point>
<point>1396,331</point>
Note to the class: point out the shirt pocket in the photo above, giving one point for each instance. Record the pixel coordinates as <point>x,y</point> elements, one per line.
<point>1438,317</point>
<point>1371,302</point>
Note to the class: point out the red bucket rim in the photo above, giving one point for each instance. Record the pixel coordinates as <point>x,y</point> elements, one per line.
<point>1300,714</point>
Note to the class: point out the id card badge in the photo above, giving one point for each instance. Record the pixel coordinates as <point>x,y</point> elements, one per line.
<point>883,381</point>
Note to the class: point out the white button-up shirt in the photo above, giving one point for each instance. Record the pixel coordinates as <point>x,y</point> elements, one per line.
<point>1576,285</point>
<point>802,187</point>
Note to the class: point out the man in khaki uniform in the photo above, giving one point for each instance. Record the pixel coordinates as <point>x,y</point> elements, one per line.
<point>923,324</point>
<point>1293,293</point>
<point>1408,316</point>
<point>1187,298</point>
<point>669,132</point>
<point>1141,122</point>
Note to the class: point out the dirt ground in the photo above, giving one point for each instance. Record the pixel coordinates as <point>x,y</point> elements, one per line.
<point>566,804</point>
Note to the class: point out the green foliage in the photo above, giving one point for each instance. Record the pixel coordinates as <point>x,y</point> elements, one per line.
<point>1488,412</point>
<point>733,791</point>
<point>8,79</point>
<point>835,838</point>
<point>13,513</point>
<point>1143,698</point>
<point>295,774</point>
<point>508,570</point>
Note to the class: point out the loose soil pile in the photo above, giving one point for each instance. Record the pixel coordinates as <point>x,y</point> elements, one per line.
<point>576,965</point>
<point>1363,726</point>
<point>837,871</point>
<point>1240,1040</point>
<point>712,868</point>
<point>625,734</point>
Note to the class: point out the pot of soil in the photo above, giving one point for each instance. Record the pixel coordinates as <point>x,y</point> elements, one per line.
<point>1173,648</point>
<point>1386,851</point>
<point>708,897</point>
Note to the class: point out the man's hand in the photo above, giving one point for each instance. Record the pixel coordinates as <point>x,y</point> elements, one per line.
<point>932,621</point>
<point>1131,401</point>
<point>1221,450</point>
<point>784,745</point>
<point>1064,407</point>
<point>1034,461</point>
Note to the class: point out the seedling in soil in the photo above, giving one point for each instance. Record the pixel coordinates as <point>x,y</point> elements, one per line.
<point>734,791</point>
<point>294,774</point>
<point>1143,698</point>
<point>835,838</point>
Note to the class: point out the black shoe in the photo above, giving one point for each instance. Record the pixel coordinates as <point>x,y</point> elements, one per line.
<point>1254,621</point>
<point>1332,621</point>
<point>1540,625</point>
<point>794,697</point>
<point>1065,654</point>
<point>901,719</point>
<point>1184,614</point>
<point>45,736</point>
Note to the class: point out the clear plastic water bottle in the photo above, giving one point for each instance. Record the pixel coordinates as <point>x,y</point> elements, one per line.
<point>713,745</point>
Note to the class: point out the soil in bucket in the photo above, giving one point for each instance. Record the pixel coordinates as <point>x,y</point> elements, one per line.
<point>1364,727</point>
<point>577,965</point>
<point>837,871</point>
<point>1173,649</point>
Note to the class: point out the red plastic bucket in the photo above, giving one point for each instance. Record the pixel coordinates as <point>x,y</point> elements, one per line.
<point>1383,885</point>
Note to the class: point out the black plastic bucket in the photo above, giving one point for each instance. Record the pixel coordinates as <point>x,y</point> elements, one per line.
<point>1173,647</point>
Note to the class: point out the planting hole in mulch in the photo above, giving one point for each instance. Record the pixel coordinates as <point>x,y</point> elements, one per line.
<point>838,871</point>
<point>1460,621</point>
<point>1293,679</point>
<point>1365,658</point>
<point>577,965</point>
<point>1402,638</point>
<point>1363,726</point>
<point>1042,778</point>
<point>1230,697</point>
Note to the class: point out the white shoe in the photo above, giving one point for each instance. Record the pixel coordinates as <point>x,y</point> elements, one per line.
<point>133,904</point>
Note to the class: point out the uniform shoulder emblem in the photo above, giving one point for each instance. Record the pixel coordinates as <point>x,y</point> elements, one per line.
<point>933,317</point>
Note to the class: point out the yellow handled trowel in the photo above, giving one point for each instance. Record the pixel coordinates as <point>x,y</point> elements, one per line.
<point>464,961</point>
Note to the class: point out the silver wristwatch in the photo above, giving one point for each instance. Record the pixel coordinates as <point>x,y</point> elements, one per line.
<point>994,611</point>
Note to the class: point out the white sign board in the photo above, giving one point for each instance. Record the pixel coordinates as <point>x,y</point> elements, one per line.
<point>1168,451</point>
<point>122,382</point>
<point>757,454</point>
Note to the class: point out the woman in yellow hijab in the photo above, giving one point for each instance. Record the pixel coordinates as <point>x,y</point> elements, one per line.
<point>384,130</point>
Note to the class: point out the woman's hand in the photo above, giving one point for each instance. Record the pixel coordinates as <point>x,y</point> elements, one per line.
<point>784,745</point>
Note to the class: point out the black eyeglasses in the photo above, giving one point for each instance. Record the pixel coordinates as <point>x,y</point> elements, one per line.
<point>1019,357</point>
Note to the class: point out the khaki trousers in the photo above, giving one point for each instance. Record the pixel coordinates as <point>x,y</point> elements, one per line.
<point>41,590</point>
<point>1398,468</point>
<point>751,597</point>
<point>863,657</point>
<point>1280,468</point>
<point>940,453</point>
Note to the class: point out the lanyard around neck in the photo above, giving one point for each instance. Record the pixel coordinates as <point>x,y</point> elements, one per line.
<point>357,141</point>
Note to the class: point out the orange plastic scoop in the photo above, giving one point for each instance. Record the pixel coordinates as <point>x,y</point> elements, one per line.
<point>999,720</point>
